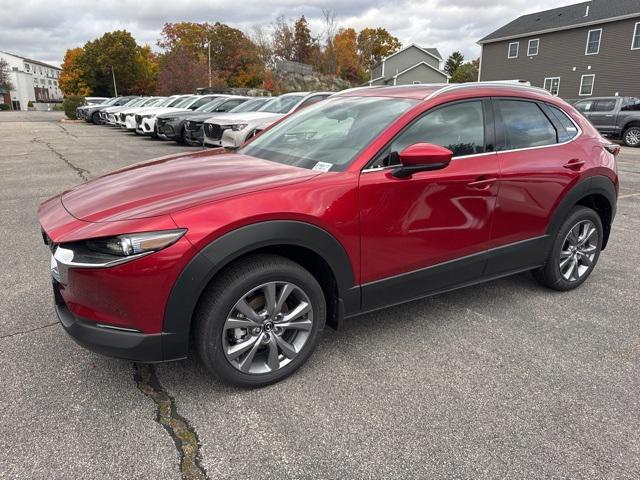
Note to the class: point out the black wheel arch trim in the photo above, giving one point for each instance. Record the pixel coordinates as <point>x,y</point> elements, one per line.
<point>598,185</point>
<point>211,259</point>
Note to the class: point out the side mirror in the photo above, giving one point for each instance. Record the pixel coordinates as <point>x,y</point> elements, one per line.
<point>421,157</point>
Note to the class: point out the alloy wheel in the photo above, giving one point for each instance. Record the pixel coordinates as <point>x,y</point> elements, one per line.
<point>578,250</point>
<point>267,328</point>
<point>632,137</point>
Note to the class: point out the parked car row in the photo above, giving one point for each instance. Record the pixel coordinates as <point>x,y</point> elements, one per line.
<point>371,198</point>
<point>215,120</point>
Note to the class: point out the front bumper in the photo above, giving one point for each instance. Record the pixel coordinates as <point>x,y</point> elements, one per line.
<point>113,342</point>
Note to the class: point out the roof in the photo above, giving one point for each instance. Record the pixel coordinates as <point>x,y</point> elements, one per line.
<point>429,51</point>
<point>444,74</point>
<point>35,62</point>
<point>563,18</point>
<point>426,91</point>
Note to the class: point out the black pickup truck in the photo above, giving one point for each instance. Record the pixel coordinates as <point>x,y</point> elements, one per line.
<point>615,117</point>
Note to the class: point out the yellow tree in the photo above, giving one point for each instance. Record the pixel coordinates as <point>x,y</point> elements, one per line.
<point>347,61</point>
<point>72,75</point>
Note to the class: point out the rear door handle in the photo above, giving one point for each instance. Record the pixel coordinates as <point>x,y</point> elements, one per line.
<point>574,164</point>
<point>482,183</point>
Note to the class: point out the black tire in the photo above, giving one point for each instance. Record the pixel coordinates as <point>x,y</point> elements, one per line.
<point>631,137</point>
<point>95,118</point>
<point>181,138</point>
<point>550,274</point>
<point>229,287</point>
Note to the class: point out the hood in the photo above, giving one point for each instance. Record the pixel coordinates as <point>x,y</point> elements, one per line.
<point>201,116</point>
<point>161,110</point>
<point>175,114</point>
<point>169,184</point>
<point>248,117</point>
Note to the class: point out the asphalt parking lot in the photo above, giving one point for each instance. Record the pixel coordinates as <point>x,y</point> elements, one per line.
<point>502,380</point>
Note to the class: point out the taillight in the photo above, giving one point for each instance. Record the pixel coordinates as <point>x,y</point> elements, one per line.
<point>612,148</point>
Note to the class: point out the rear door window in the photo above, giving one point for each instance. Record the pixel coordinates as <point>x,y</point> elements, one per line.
<point>604,106</point>
<point>525,125</point>
<point>569,129</point>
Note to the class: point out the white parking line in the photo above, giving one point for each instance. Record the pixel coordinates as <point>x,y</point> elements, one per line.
<point>629,195</point>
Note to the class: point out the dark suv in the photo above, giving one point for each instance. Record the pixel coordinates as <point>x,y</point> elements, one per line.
<point>615,117</point>
<point>371,198</point>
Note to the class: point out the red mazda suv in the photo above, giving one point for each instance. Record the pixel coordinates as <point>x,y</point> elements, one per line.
<point>371,198</point>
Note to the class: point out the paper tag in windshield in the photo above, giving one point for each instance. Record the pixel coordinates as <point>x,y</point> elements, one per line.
<point>322,167</point>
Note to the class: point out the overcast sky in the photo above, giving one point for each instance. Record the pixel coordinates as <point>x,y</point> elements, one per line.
<point>43,30</point>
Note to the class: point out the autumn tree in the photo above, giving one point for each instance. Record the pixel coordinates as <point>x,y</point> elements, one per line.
<point>148,67</point>
<point>72,77</point>
<point>347,60</point>
<point>375,44</point>
<point>114,54</point>
<point>5,81</point>
<point>188,36</point>
<point>467,72</point>
<point>180,72</point>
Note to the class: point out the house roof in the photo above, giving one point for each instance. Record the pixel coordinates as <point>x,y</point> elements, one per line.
<point>429,51</point>
<point>563,18</point>
<point>35,62</point>
<point>417,65</point>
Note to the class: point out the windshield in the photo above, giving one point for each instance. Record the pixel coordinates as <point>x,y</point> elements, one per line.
<point>328,135</point>
<point>250,105</point>
<point>184,103</point>
<point>281,104</point>
<point>111,101</point>
<point>136,102</point>
<point>212,105</point>
<point>152,101</point>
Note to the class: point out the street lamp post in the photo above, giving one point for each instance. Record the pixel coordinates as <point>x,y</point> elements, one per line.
<point>115,87</point>
<point>209,55</point>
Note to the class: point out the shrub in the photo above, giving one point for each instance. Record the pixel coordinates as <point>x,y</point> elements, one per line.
<point>58,107</point>
<point>4,106</point>
<point>70,104</point>
<point>30,104</point>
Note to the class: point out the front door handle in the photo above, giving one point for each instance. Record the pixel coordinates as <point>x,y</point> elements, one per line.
<point>482,183</point>
<point>574,164</point>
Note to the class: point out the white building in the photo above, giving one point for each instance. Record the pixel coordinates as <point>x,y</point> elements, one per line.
<point>32,80</point>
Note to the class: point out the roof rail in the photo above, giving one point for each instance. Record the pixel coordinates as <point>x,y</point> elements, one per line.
<point>503,83</point>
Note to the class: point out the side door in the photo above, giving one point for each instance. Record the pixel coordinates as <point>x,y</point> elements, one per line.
<point>428,232</point>
<point>603,115</point>
<point>538,164</point>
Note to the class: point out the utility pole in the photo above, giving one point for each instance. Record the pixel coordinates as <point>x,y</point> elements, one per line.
<point>115,88</point>
<point>209,55</point>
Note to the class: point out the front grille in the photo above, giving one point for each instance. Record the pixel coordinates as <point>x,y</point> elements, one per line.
<point>138,119</point>
<point>215,131</point>
<point>122,117</point>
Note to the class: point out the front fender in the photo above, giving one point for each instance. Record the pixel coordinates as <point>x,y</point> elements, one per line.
<point>211,259</point>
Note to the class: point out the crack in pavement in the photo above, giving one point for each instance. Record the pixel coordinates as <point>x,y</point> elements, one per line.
<point>64,129</point>
<point>9,335</point>
<point>82,173</point>
<point>179,429</point>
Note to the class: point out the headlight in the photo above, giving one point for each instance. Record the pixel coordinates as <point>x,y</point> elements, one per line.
<point>147,116</point>
<point>134,244</point>
<point>238,126</point>
<point>109,252</point>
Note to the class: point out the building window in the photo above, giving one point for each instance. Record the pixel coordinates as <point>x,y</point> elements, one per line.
<point>532,47</point>
<point>27,67</point>
<point>552,85</point>
<point>635,45</point>
<point>513,50</point>
<point>586,85</point>
<point>593,42</point>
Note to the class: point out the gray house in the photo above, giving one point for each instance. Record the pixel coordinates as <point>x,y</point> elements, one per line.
<point>412,64</point>
<point>582,50</point>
